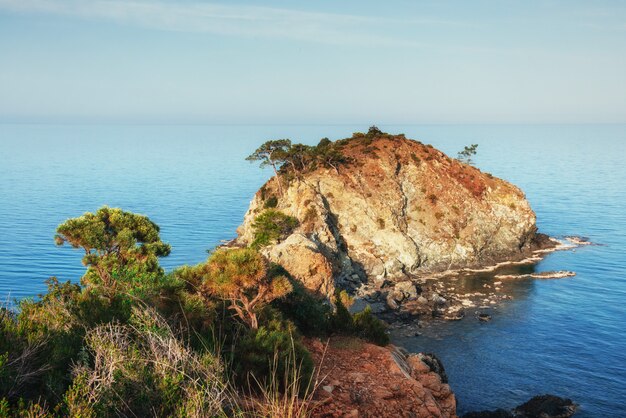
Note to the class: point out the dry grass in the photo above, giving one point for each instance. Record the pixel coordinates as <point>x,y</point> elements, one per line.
<point>149,345</point>
<point>276,401</point>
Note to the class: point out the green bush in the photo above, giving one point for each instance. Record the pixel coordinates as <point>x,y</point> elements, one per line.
<point>363,324</point>
<point>308,312</point>
<point>270,203</point>
<point>370,328</point>
<point>341,321</point>
<point>271,226</point>
<point>269,354</point>
<point>103,347</point>
<point>315,318</point>
<point>143,369</point>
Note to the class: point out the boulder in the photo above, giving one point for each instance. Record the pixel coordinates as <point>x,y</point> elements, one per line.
<point>546,406</point>
<point>542,406</point>
<point>372,381</point>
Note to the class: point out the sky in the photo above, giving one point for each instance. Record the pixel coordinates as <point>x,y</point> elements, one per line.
<point>315,62</point>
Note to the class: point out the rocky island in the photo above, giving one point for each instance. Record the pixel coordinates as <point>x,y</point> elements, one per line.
<point>390,214</point>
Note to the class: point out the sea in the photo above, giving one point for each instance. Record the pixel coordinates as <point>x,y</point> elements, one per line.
<point>565,337</point>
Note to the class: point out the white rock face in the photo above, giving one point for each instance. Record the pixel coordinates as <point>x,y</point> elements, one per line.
<point>401,209</point>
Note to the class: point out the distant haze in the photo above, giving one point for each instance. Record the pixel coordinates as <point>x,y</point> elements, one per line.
<point>356,61</point>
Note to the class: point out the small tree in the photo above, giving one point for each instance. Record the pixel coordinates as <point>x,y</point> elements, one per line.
<point>467,154</point>
<point>331,157</point>
<point>241,277</point>
<point>114,242</point>
<point>300,157</point>
<point>273,153</point>
<point>373,131</point>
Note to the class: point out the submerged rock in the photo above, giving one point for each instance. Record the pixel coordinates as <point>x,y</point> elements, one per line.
<point>399,209</point>
<point>542,406</point>
<point>546,406</point>
<point>541,275</point>
<point>484,317</point>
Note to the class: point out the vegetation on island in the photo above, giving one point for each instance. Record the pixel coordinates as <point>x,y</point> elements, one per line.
<point>289,160</point>
<point>271,226</point>
<point>222,338</point>
<point>467,154</point>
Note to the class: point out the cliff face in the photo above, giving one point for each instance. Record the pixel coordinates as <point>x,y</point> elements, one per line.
<point>399,209</point>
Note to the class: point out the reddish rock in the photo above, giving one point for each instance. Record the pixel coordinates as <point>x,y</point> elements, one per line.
<point>373,381</point>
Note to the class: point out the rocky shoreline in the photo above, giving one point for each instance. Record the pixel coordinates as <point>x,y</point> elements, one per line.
<point>359,379</point>
<point>438,296</point>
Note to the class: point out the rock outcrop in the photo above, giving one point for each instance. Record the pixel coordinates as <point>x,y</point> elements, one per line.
<point>399,209</point>
<point>359,379</point>
<point>542,406</point>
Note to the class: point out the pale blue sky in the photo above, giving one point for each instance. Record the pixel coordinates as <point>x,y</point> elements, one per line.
<point>323,61</point>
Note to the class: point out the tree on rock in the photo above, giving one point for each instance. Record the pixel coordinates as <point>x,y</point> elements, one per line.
<point>271,226</point>
<point>467,154</point>
<point>273,153</point>
<point>241,277</point>
<point>373,132</point>
<point>116,244</point>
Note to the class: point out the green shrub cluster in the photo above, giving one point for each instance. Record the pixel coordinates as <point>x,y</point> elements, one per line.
<point>315,318</point>
<point>271,202</point>
<point>269,353</point>
<point>362,324</point>
<point>271,226</point>
<point>293,160</point>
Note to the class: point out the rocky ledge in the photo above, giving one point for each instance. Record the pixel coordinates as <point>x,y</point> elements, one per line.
<point>358,379</point>
<point>394,210</point>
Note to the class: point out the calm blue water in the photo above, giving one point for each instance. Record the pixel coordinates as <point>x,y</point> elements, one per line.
<point>565,337</point>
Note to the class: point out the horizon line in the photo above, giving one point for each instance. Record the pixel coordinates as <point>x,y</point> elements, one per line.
<point>138,123</point>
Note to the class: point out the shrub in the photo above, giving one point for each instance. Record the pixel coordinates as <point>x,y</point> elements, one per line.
<point>373,132</point>
<point>363,324</point>
<point>271,226</point>
<point>433,198</point>
<point>142,369</point>
<point>308,312</point>
<point>370,328</point>
<point>270,352</point>
<point>381,223</point>
<point>270,203</point>
<point>342,321</point>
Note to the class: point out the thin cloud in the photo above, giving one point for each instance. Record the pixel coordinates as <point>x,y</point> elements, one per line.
<point>246,21</point>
